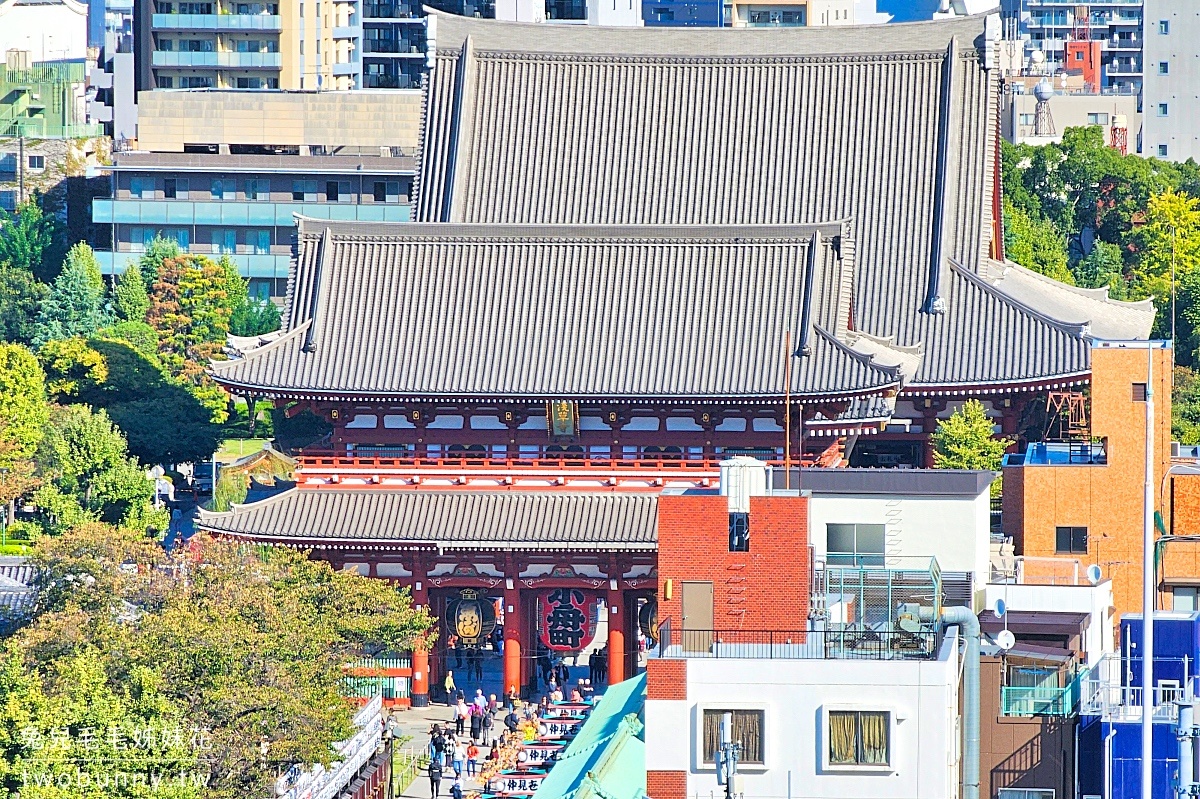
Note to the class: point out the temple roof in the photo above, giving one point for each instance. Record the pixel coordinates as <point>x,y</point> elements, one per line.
<point>446,519</point>
<point>459,311</point>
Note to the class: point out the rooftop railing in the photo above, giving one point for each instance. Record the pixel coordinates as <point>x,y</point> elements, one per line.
<point>845,643</point>
<point>1042,700</point>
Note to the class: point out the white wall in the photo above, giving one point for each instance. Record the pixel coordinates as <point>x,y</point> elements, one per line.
<point>953,529</point>
<point>1096,600</point>
<point>921,695</point>
<point>1180,88</point>
<point>49,32</point>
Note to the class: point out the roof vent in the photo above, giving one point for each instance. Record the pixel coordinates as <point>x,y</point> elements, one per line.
<point>743,477</point>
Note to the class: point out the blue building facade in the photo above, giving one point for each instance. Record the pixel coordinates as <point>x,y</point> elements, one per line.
<point>683,13</point>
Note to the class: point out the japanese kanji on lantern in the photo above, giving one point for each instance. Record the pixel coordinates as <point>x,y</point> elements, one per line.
<point>567,619</point>
<point>471,617</point>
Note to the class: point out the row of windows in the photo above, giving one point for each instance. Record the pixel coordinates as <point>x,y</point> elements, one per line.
<point>224,241</point>
<point>210,45</point>
<point>207,82</point>
<point>853,737</point>
<point>259,189</point>
<point>208,9</point>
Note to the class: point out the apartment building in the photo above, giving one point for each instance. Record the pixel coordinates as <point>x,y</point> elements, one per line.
<point>279,44</point>
<point>226,173</point>
<point>1171,86</point>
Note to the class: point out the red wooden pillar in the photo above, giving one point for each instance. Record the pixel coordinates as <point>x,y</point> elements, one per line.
<point>616,634</point>
<point>512,633</point>
<point>420,657</point>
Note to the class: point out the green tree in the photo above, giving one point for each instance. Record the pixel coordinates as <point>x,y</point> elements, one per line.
<point>1103,267</point>
<point>21,295</point>
<point>251,648</point>
<point>254,318</point>
<point>1033,242</point>
<point>75,306</point>
<point>1185,406</point>
<point>23,408</point>
<point>28,238</point>
<point>966,441</point>
<point>130,295</point>
<point>159,249</point>
<point>70,366</point>
<point>138,335</point>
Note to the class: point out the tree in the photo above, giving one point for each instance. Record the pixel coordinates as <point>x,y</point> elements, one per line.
<point>248,647</point>
<point>21,295</point>
<point>138,335</point>
<point>157,251</point>
<point>27,238</point>
<point>130,295</point>
<point>23,408</point>
<point>966,441</point>
<point>255,318</point>
<point>75,306</point>
<point>1103,267</point>
<point>1034,243</point>
<point>1185,407</point>
<point>70,365</point>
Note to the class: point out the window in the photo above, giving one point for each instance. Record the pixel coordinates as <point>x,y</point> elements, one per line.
<point>1138,392</point>
<point>1098,119</point>
<point>142,188</point>
<point>1026,793</point>
<point>175,189</point>
<point>854,544</point>
<point>195,82</point>
<point>37,162</point>
<point>1078,55</point>
<point>258,189</point>
<point>1183,598</point>
<point>1070,540</point>
<point>1026,119</point>
<point>1164,68</point>
<point>220,187</point>
<point>260,240</point>
<point>387,191</point>
<point>1162,151</point>
<point>304,191</point>
<point>166,82</point>
<point>859,738</point>
<point>1164,26</point>
<point>739,532</point>
<point>333,192</point>
<point>747,730</point>
<point>1162,109</point>
<point>224,241</point>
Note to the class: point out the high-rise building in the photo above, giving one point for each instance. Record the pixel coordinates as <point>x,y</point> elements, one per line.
<point>1171,86</point>
<point>279,44</point>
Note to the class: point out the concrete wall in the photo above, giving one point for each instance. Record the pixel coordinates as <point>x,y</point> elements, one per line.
<point>1095,600</point>
<point>1107,499</point>
<point>386,118</point>
<point>955,530</point>
<point>1180,88</point>
<point>1021,751</point>
<point>922,697</point>
<point>1069,111</point>
<point>47,31</point>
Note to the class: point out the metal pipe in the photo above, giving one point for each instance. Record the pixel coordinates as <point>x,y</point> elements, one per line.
<point>966,619</point>
<point>1148,575</point>
<point>1184,732</point>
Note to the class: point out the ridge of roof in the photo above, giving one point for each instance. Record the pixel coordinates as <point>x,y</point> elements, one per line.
<point>276,343</point>
<point>907,357</point>
<point>867,359</point>
<point>557,39</point>
<point>1076,329</point>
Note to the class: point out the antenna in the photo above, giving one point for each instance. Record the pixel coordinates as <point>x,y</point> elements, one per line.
<point>1094,574</point>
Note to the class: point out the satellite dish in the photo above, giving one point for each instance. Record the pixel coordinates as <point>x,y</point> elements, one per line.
<point>1006,640</point>
<point>1094,574</point>
<point>999,608</point>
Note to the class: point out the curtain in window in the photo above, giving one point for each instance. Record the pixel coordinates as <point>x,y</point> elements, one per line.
<point>874,727</point>
<point>842,737</point>
<point>712,734</point>
<point>746,730</point>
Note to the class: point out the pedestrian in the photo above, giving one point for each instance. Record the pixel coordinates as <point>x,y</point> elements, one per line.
<point>456,790</point>
<point>480,700</point>
<point>511,721</point>
<point>495,753</point>
<point>592,665</point>
<point>460,758</point>
<point>489,721</point>
<point>589,692</point>
<point>512,696</point>
<point>476,722</point>
<point>437,745</point>
<point>449,688</point>
<point>460,716</point>
<point>564,673</point>
<point>556,695</point>
<point>435,777</point>
<point>472,759</point>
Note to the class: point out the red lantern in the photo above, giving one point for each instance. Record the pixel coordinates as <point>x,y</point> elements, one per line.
<point>567,619</point>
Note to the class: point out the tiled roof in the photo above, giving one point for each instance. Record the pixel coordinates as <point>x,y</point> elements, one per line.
<point>456,311</point>
<point>508,520</point>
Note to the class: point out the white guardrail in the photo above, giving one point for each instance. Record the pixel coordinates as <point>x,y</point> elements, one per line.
<point>322,783</point>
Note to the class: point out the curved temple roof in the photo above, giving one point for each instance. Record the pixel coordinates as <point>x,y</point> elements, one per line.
<point>463,311</point>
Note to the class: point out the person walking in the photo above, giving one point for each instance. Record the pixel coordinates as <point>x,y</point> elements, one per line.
<point>449,688</point>
<point>477,712</point>
<point>460,758</point>
<point>472,760</point>
<point>480,700</point>
<point>461,711</point>
<point>489,720</point>
<point>456,790</point>
<point>513,696</point>
<point>435,777</point>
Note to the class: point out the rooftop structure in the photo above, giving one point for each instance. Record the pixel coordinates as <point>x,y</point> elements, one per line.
<point>44,30</point>
<point>43,100</point>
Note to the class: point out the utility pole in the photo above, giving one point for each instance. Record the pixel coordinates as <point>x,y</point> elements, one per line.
<point>20,170</point>
<point>1148,588</point>
<point>727,755</point>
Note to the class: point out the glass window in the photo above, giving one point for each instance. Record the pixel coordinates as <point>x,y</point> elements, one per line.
<point>387,191</point>
<point>333,191</point>
<point>855,544</point>
<point>1164,26</point>
<point>1183,598</point>
<point>224,241</point>
<point>260,240</point>
<point>739,532</point>
<point>258,189</point>
<point>1164,68</point>
<point>1162,151</point>
<point>304,191</point>
<point>1026,793</point>
<point>1071,540</point>
<point>37,162</point>
<point>1026,119</point>
<point>858,738</point>
<point>142,188</point>
<point>175,189</point>
<point>1097,119</point>
<point>747,730</point>
<point>1162,109</point>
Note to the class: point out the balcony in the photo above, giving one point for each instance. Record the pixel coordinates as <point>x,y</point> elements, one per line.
<point>1060,453</point>
<point>274,214</point>
<point>1108,690</point>
<point>829,644</point>
<point>1041,700</point>
<point>217,22</point>
<point>393,47</point>
<point>249,265</point>
<point>167,58</point>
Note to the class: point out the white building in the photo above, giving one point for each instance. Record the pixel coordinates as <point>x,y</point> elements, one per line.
<point>1171,84</point>
<point>813,729</point>
<point>886,516</point>
<point>48,30</point>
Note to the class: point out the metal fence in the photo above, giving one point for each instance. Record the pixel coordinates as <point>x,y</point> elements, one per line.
<point>848,643</point>
<point>1042,700</point>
